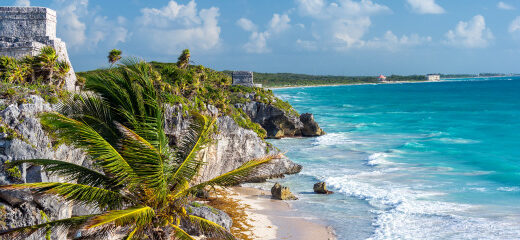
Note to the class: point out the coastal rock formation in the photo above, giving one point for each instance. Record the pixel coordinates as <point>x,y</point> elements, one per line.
<point>26,30</point>
<point>22,137</point>
<point>280,123</point>
<point>233,147</point>
<point>310,127</point>
<point>280,192</point>
<point>321,188</point>
<point>209,213</point>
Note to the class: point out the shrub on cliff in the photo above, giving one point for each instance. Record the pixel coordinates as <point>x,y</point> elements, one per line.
<point>44,68</point>
<point>143,185</point>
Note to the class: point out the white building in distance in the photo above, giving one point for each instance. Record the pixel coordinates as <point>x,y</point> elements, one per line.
<point>433,77</point>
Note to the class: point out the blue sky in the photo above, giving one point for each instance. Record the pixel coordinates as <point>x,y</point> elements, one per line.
<point>332,37</point>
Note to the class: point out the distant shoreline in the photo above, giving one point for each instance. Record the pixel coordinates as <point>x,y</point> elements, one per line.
<point>352,84</point>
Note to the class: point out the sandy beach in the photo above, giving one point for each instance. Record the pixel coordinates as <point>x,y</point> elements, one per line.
<point>274,219</point>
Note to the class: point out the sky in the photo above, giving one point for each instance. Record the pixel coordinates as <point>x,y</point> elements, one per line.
<point>322,37</point>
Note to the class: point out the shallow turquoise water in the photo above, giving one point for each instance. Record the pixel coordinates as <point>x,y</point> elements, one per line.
<point>412,161</point>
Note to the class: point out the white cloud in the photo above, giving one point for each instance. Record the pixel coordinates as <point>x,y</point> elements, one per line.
<point>246,24</point>
<point>341,24</point>
<point>177,26</point>
<point>70,27</point>
<point>425,6</point>
<point>471,34</point>
<point>392,42</point>
<point>279,23</point>
<point>310,7</point>
<point>22,3</point>
<point>73,17</point>
<point>515,25</point>
<point>257,43</point>
<point>505,6</point>
<point>258,40</point>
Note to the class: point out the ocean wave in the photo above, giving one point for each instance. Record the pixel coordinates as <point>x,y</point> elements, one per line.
<point>331,139</point>
<point>378,159</point>
<point>457,140</point>
<point>404,213</point>
<point>509,189</point>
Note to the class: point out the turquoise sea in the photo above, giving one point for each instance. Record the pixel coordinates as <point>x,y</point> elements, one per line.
<point>437,160</point>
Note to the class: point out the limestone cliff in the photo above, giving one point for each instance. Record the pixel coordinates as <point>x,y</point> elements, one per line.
<point>232,147</point>
<point>22,137</point>
<point>278,122</point>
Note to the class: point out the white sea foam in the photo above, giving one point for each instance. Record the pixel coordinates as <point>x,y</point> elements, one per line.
<point>509,189</point>
<point>405,213</point>
<point>378,159</point>
<point>332,139</point>
<point>457,140</point>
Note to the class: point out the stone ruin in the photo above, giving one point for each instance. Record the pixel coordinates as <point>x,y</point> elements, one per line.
<point>26,30</point>
<point>244,78</point>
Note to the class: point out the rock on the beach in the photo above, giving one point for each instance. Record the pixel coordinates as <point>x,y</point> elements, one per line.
<point>321,188</point>
<point>209,213</point>
<point>282,193</point>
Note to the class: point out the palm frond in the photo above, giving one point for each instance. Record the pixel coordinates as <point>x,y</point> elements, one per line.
<point>139,216</point>
<point>181,234</point>
<point>210,228</point>
<point>78,193</point>
<point>91,109</point>
<point>70,171</point>
<point>58,225</point>
<point>83,136</point>
<point>131,234</point>
<point>146,161</point>
<point>199,135</point>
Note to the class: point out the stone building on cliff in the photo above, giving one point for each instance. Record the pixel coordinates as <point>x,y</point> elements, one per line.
<point>25,30</point>
<point>244,78</point>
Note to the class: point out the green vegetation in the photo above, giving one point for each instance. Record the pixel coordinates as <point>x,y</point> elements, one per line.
<point>194,87</point>
<point>144,186</point>
<point>184,59</point>
<point>45,68</point>
<point>13,171</point>
<point>409,78</point>
<point>292,79</point>
<point>41,75</point>
<point>16,93</point>
<point>114,55</point>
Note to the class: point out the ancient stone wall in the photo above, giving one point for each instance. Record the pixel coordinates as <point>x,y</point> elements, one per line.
<point>243,78</point>
<point>25,30</point>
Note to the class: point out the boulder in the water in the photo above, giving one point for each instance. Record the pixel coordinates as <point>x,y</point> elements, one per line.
<point>321,188</point>
<point>282,193</point>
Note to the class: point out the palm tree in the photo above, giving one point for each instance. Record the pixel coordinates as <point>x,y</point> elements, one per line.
<point>143,185</point>
<point>62,68</point>
<point>114,55</point>
<point>46,61</point>
<point>184,59</point>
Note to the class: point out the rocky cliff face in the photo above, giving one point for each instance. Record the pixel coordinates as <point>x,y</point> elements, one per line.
<point>22,137</point>
<point>279,123</point>
<point>233,146</point>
